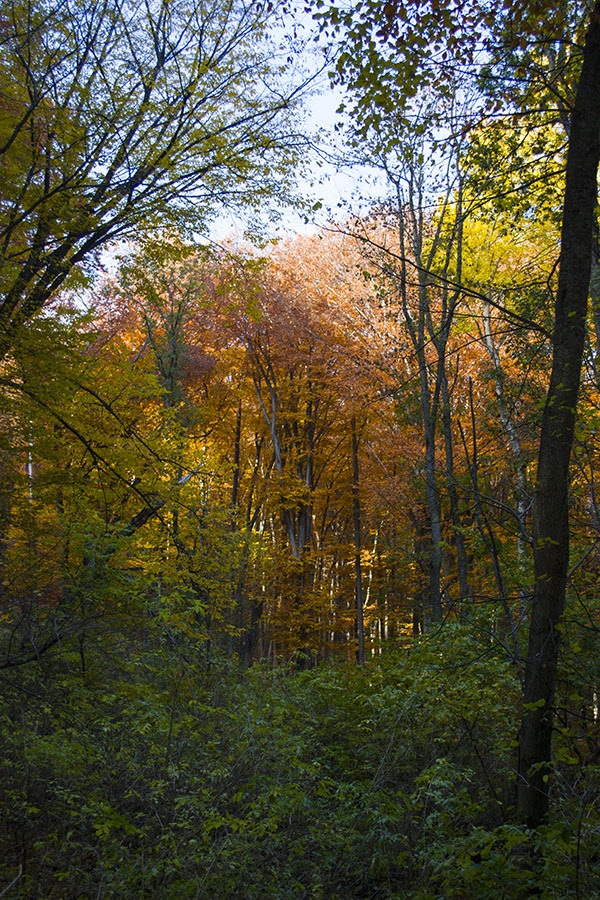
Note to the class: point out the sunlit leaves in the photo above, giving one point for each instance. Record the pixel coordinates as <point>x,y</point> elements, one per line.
<point>116,116</point>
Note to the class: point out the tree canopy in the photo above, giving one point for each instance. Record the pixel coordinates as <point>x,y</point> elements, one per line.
<point>125,114</point>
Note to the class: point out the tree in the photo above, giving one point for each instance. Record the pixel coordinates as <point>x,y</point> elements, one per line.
<point>551,518</point>
<point>415,272</point>
<point>77,467</point>
<point>125,113</point>
<point>533,53</point>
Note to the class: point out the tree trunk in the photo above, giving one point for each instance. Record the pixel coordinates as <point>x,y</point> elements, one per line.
<point>551,519</point>
<point>459,541</point>
<point>360,624</point>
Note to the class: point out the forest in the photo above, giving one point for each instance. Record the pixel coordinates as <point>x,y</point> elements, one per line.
<point>299,529</point>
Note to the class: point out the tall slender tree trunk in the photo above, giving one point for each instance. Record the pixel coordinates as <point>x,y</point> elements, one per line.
<point>360,624</point>
<point>551,515</point>
<point>510,427</point>
<point>459,541</point>
<point>429,395</point>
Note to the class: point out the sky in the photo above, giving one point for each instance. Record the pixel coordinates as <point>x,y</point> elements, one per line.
<point>341,188</point>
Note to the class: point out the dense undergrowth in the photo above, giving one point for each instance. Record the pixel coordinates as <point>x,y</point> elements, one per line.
<point>149,776</point>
